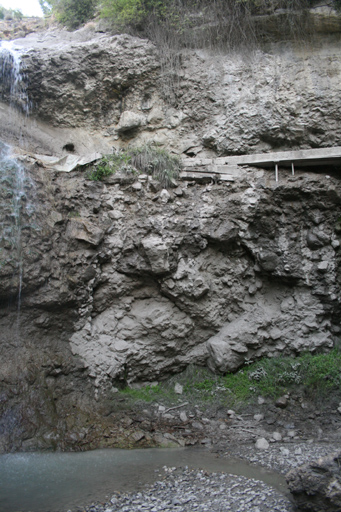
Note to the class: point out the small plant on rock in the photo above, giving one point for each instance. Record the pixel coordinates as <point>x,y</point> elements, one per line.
<point>147,159</point>
<point>158,163</point>
<point>108,165</point>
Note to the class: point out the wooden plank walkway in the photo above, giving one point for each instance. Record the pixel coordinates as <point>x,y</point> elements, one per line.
<point>229,167</point>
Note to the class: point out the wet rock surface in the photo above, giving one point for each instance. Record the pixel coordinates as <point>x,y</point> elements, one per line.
<point>317,485</point>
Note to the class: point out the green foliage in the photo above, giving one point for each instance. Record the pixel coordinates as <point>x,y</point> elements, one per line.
<point>10,14</point>
<point>314,375</point>
<point>108,165</point>
<point>123,12</point>
<point>156,162</point>
<point>197,22</point>
<point>146,394</point>
<point>71,13</point>
<point>46,7</point>
<point>146,159</point>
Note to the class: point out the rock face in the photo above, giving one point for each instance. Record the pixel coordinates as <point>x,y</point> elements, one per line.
<point>108,283</point>
<point>317,486</point>
<point>120,287</point>
<point>282,97</point>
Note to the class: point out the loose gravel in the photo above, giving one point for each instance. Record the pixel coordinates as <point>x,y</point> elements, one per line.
<point>185,490</point>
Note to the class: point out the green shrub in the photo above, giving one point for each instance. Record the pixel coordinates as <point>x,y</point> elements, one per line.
<point>146,159</point>
<point>71,13</point>
<point>10,14</point>
<point>108,165</point>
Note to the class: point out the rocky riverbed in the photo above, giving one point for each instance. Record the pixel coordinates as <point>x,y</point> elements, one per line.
<point>186,490</point>
<point>265,435</point>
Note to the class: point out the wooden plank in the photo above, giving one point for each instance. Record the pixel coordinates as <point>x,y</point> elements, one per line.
<point>301,157</point>
<point>205,175</point>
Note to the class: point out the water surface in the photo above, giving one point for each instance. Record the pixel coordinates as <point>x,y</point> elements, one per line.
<point>57,482</point>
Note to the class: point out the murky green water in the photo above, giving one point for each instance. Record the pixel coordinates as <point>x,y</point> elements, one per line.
<point>55,482</point>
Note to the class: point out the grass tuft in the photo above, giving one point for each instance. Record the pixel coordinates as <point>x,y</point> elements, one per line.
<point>147,159</point>
<point>158,163</point>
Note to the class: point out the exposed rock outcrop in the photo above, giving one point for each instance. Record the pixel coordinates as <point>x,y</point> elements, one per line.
<point>316,486</point>
<point>283,97</point>
<point>135,274</point>
<point>120,282</point>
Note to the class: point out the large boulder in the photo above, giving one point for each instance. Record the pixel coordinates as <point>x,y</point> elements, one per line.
<point>316,486</point>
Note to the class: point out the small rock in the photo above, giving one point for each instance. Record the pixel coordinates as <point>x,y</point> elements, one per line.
<point>207,440</point>
<point>183,417</point>
<point>164,196</point>
<point>231,413</point>
<point>277,436</point>
<point>284,451</point>
<point>197,425</point>
<point>323,266</point>
<point>138,435</point>
<point>282,402</point>
<point>261,400</point>
<point>115,214</point>
<point>298,451</point>
<point>178,389</point>
<point>137,186</point>
<point>262,444</point>
<point>258,417</point>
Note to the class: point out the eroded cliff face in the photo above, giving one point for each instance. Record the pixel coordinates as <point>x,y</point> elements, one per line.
<point>283,96</point>
<point>122,282</point>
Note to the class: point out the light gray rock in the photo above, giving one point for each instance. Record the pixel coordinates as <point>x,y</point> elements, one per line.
<point>178,388</point>
<point>183,417</point>
<point>277,436</point>
<point>128,121</point>
<point>262,444</point>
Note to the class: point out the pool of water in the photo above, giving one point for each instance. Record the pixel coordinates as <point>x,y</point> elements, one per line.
<point>56,482</point>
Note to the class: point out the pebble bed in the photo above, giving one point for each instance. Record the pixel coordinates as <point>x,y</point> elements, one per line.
<point>184,490</point>
<point>282,457</point>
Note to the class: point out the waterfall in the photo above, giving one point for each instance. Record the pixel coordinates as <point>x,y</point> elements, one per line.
<point>12,79</point>
<point>14,181</point>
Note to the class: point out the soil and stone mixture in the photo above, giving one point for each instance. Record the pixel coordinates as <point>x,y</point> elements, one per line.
<point>277,435</point>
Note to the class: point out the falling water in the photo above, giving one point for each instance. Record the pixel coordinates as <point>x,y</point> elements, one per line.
<point>13,178</point>
<point>12,79</point>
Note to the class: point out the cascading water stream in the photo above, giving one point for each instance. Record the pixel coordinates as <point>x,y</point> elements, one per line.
<point>12,79</point>
<point>13,177</point>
